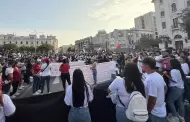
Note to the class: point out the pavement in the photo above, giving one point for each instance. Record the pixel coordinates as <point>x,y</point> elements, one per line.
<point>55,86</point>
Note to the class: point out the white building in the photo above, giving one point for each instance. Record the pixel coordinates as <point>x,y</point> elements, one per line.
<point>134,36</point>
<point>167,19</point>
<point>31,40</point>
<point>147,22</point>
<point>100,40</point>
<point>118,37</point>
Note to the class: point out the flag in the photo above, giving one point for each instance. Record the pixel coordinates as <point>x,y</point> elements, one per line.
<point>118,46</point>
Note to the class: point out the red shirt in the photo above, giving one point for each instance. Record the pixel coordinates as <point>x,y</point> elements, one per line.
<point>64,68</point>
<point>36,69</point>
<point>17,75</point>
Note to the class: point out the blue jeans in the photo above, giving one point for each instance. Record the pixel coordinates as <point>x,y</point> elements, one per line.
<point>79,115</point>
<point>153,118</point>
<point>175,95</point>
<point>47,80</point>
<point>120,115</point>
<point>94,73</point>
<point>36,83</point>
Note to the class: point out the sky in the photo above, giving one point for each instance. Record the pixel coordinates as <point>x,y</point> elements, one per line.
<point>69,20</point>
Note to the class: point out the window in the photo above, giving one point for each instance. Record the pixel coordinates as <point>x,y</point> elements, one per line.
<point>21,42</point>
<point>162,14</point>
<point>4,42</point>
<point>26,42</point>
<point>15,42</point>
<point>163,25</point>
<point>188,3</point>
<point>41,42</point>
<point>46,42</point>
<point>175,23</point>
<point>10,42</point>
<point>37,42</point>
<point>174,8</point>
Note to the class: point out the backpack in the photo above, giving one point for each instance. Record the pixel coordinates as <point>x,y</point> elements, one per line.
<point>137,108</point>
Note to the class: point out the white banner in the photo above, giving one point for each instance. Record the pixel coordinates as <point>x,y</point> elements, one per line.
<point>103,73</point>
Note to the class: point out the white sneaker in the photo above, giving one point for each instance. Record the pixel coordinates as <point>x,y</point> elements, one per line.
<point>173,119</point>
<point>181,119</point>
<point>36,93</point>
<point>39,91</point>
<point>13,96</point>
<point>17,93</point>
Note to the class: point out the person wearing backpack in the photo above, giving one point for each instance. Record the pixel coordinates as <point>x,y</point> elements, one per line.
<point>155,88</point>
<point>126,90</point>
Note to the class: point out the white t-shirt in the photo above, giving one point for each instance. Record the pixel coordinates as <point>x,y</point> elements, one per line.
<point>185,68</point>
<point>113,67</point>
<point>8,71</point>
<point>154,86</point>
<point>8,108</point>
<point>69,99</point>
<point>176,76</point>
<point>47,71</point>
<point>158,58</point>
<point>118,85</point>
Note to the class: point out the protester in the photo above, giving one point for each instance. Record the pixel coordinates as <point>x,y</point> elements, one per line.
<point>78,95</point>
<point>113,67</point>
<point>36,69</point>
<point>94,72</point>
<point>65,75</point>
<point>124,88</point>
<point>8,78</point>
<point>17,78</point>
<point>45,75</point>
<point>7,107</point>
<point>28,72</point>
<point>155,89</point>
<point>176,91</point>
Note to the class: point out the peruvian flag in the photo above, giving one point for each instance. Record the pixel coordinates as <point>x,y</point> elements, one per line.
<point>118,46</point>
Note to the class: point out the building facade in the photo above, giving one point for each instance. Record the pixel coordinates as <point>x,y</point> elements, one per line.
<point>147,22</point>
<point>118,37</point>
<point>31,40</point>
<point>83,44</point>
<point>167,20</point>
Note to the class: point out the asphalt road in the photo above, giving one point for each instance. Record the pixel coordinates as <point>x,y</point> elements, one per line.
<point>55,86</point>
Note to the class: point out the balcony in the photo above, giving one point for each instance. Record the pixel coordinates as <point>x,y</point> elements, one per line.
<point>175,28</point>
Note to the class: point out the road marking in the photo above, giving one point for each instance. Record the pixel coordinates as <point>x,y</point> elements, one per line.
<point>56,81</point>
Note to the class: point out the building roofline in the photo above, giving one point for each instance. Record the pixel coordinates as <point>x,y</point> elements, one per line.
<point>153,1</point>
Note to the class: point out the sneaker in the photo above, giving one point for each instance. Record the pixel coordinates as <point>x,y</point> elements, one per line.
<point>181,119</point>
<point>13,96</point>
<point>17,93</point>
<point>36,93</point>
<point>39,91</point>
<point>173,119</point>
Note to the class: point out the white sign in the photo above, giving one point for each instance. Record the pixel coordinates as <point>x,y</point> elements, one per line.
<point>103,73</point>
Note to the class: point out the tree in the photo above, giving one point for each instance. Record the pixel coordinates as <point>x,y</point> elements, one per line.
<point>10,47</point>
<point>165,39</point>
<point>147,43</point>
<point>69,49</point>
<point>22,48</point>
<point>45,47</point>
<point>185,21</point>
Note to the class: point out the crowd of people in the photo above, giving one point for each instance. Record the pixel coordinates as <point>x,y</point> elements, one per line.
<point>158,76</point>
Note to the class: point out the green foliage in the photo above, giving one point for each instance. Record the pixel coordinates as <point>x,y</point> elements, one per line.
<point>10,47</point>
<point>45,47</point>
<point>26,48</point>
<point>185,24</point>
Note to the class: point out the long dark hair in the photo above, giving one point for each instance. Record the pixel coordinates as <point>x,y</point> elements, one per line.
<point>133,81</point>
<point>175,64</point>
<point>78,89</point>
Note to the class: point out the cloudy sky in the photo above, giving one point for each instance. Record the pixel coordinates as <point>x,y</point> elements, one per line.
<point>69,20</point>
